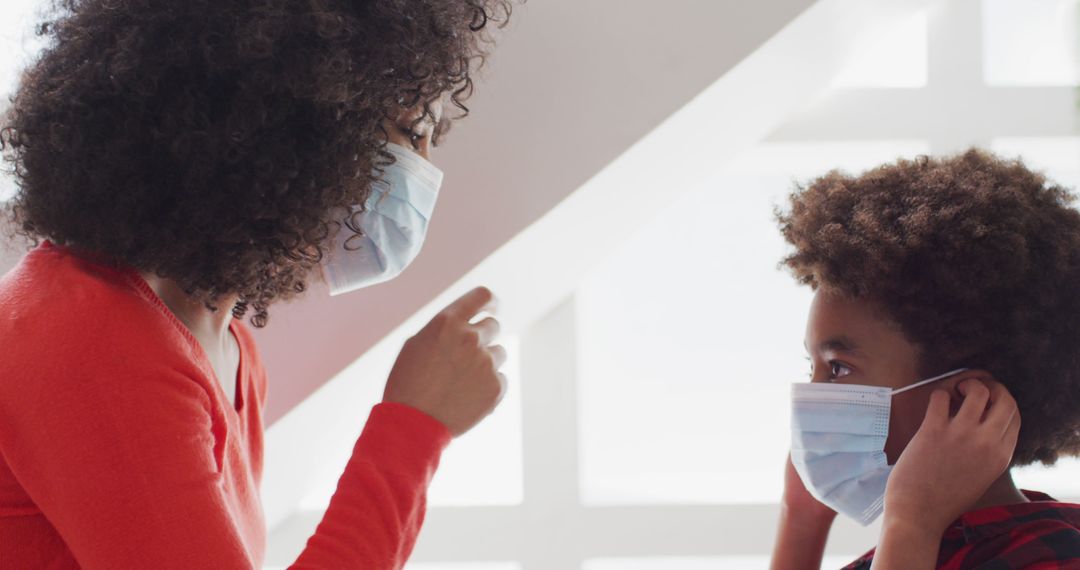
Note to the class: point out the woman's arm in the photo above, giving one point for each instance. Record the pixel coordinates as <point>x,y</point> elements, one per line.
<point>445,380</point>
<point>376,513</point>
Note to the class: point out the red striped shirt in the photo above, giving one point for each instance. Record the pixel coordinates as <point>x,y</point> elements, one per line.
<point>1041,535</point>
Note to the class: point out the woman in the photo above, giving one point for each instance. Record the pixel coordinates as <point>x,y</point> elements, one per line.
<point>184,165</point>
<point>934,279</point>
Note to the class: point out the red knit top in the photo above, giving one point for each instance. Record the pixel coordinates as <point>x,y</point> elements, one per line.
<point>119,448</point>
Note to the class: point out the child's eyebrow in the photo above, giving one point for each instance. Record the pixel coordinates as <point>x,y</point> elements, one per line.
<point>838,344</point>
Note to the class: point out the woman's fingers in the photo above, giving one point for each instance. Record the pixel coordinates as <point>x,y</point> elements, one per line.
<point>468,305</point>
<point>487,329</point>
<point>504,385</point>
<point>498,355</point>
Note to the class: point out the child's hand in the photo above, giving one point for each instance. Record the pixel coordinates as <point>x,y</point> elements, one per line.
<point>804,526</point>
<point>800,503</point>
<point>952,461</point>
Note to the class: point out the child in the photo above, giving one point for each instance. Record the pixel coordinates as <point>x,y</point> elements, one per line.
<point>947,307</point>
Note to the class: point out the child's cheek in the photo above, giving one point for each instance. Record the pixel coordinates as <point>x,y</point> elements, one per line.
<point>904,421</point>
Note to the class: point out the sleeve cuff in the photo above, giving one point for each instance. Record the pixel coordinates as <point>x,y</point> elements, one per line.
<point>404,437</point>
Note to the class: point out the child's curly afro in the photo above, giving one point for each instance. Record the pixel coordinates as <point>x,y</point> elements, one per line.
<point>976,258</point>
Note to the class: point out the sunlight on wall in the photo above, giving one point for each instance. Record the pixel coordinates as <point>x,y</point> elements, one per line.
<point>1031,42</point>
<point>899,60</point>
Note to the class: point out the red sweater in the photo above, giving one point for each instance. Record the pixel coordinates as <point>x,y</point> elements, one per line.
<point>119,448</point>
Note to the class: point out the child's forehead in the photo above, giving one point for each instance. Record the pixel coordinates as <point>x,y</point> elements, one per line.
<point>843,323</point>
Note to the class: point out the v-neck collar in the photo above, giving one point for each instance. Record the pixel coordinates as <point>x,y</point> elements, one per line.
<point>239,385</point>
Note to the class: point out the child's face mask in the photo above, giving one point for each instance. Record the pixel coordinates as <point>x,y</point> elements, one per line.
<point>393,226</point>
<point>838,434</point>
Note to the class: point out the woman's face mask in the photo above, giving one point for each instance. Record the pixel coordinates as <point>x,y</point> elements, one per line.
<point>393,226</point>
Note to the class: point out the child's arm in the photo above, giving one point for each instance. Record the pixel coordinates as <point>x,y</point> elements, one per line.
<point>804,527</point>
<point>945,468</point>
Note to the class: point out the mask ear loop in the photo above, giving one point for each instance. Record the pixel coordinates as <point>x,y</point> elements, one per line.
<point>929,380</point>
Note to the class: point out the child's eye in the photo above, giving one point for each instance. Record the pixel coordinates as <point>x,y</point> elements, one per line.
<point>838,369</point>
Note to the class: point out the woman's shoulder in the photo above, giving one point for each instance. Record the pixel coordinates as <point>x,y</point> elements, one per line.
<point>56,303</point>
<point>50,274</point>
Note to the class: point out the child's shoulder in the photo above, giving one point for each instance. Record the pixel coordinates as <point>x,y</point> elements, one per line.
<point>1018,536</point>
<point>1041,533</point>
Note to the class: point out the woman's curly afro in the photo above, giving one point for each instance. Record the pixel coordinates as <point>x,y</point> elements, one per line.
<point>976,258</point>
<point>219,143</point>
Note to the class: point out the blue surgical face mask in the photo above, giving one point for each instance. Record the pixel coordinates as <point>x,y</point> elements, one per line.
<point>838,434</point>
<point>393,225</point>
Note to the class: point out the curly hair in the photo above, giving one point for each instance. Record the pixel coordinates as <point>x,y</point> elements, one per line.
<point>220,143</point>
<point>976,258</point>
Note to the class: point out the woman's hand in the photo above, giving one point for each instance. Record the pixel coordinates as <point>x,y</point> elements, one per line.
<point>450,369</point>
<point>804,526</point>
<point>944,469</point>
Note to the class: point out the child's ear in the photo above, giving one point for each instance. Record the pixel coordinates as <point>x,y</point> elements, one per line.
<point>950,385</point>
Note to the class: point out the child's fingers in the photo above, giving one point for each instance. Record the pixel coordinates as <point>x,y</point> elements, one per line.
<point>976,394</point>
<point>1003,426</point>
<point>1012,432</point>
<point>937,413</point>
<point>1002,407</point>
